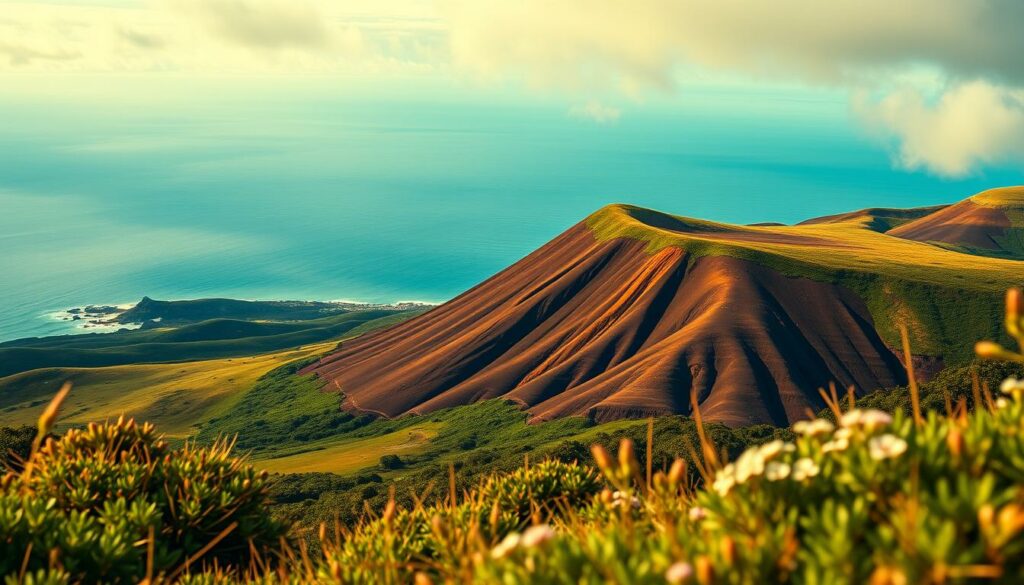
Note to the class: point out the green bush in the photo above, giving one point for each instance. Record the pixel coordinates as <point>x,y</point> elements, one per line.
<point>94,502</point>
<point>15,445</point>
<point>389,549</point>
<point>391,462</point>
<point>881,499</point>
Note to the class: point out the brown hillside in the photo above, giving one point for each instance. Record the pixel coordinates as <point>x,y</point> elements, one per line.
<point>981,222</point>
<point>608,330</point>
<point>879,219</point>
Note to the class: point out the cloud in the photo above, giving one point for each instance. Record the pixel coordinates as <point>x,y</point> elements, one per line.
<point>18,55</point>
<point>269,24</point>
<point>968,125</point>
<point>972,47</point>
<point>566,42</point>
<point>201,36</point>
<point>596,112</point>
<point>598,47</point>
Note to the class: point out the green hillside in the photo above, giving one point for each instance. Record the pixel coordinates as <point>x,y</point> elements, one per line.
<point>216,338</point>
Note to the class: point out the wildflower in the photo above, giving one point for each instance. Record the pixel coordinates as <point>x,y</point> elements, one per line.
<point>537,535</point>
<point>805,468</point>
<point>839,444</point>
<point>1013,387</point>
<point>843,433</point>
<point>775,471</point>
<point>697,513</point>
<point>725,480</point>
<point>869,419</point>
<point>506,546</point>
<point>620,499</point>
<point>813,428</point>
<point>1002,402</point>
<point>886,447</point>
<point>679,572</point>
<point>750,464</point>
<point>769,450</point>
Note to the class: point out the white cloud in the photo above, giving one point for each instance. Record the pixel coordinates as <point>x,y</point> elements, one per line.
<point>571,43</point>
<point>596,112</point>
<point>261,24</point>
<point>246,36</point>
<point>862,45</point>
<point>966,126</point>
<point>581,48</point>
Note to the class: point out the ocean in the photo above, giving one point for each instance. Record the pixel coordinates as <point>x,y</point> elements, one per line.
<point>314,192</point>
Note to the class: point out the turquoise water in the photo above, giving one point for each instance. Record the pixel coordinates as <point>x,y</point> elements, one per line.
<point>335,195</point>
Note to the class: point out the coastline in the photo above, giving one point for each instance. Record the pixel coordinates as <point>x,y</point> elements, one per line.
<point>107,317</point>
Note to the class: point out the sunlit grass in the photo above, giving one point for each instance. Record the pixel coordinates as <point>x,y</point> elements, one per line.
<point>351,455</point>
<point>174,396</point>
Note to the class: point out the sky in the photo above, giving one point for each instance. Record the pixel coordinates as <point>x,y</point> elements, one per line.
<point>935,83</point>
<point>407,149</point>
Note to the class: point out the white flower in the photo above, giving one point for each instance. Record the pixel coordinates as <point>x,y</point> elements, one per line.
<point>1002,402</point>
<point>839,444</point>
<point>537,535</point>
<point>750,464</point>
<point>843,433</point>
<point>771,449</point>
<point>620,499</point>
<point>1011,385</point>
<point>813,428</point>
<point>805,468</point>
<point>725,480</point>
<point>869,419</point>
<point>875,419</point>
<point>697,513</point>
<point>886,447</point>
<point>775,471</point>
<point>506,546</point>
<point>679,573</point>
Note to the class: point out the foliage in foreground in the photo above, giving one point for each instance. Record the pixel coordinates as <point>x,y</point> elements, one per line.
<point>114,503</point>
<point>863,496</point>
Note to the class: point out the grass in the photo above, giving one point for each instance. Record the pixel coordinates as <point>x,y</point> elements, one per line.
<point>174,396</point>
<point>189,396</point>
<point>349,456</point>
<point>863,496</point>
<point>217,338</point>
<point>823,251</point>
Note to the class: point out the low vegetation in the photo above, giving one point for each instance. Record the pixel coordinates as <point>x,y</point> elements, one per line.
<point>212,339</point>
<point>928,490</point>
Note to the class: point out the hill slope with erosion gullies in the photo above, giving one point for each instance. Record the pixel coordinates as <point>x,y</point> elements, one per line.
<point>627,312</point>
<point>990,224</point>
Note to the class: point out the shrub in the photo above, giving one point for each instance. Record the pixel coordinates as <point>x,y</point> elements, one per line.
<point>391,462</point>
<point>15,445</point>
<point>101,503</point>
<point>389,549</point>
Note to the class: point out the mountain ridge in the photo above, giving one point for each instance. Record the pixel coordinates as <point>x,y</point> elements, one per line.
<point>626,312</point>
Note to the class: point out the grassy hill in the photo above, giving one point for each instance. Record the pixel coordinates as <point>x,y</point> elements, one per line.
<point>923,285</point>
<point>175,396</point>
<point>178,377</point>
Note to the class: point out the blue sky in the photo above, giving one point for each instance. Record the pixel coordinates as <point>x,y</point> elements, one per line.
<point>936,83</point>
<point>394,150</point>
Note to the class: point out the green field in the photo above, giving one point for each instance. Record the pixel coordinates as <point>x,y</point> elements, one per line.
<point>348,456</point>
<point>211,339</point>
<point>174,396</point>
<point>180,378</point>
